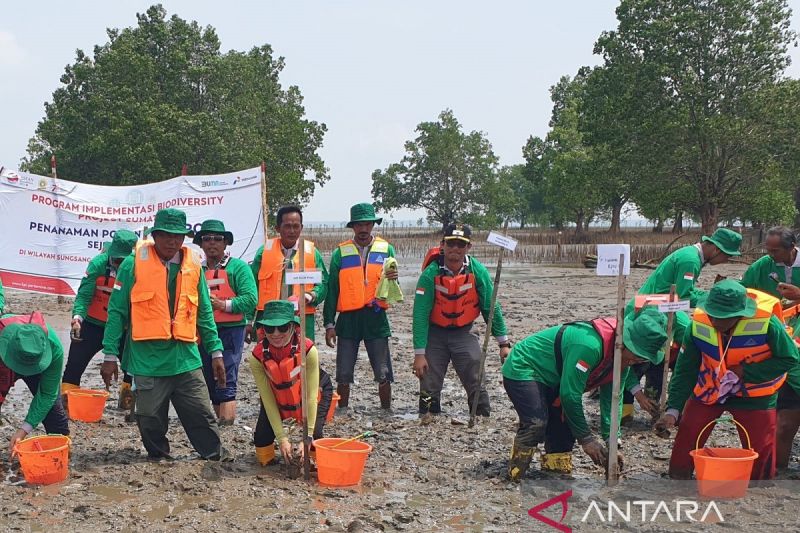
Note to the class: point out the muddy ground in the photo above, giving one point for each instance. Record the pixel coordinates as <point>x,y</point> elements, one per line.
<point>441,476</point>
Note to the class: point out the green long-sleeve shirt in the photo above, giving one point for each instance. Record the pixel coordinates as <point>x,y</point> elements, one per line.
<point>425,296</point>
<point>533,359</point>
<point>366,323</point>
<point>757,275</point>
<point>157,358</point>
<point>241,280</point>
<point>681,267</point>
<point>784,358</point>
<point>320,289</point>
<point>97,267</point>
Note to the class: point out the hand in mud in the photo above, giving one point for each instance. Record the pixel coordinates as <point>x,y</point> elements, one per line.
<point>646,403</point>
<point>75,330</point>
<point>286,450</point>
<point>596,451</point>
<point>109,371</point>
<point>420,366</point>
<point>218,367</point>
<point>18,436</point>
<point>789,291</point>
<point>330,337</point>
<point>664,424</point>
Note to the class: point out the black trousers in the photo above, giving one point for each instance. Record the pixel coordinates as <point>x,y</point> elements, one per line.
<point>539,420</point>
<point>81,352</point>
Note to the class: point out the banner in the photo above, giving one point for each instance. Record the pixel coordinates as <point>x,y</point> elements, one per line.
<point>52,228</point>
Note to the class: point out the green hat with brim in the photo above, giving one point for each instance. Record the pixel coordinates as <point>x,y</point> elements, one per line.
<point>278,313</point>
<point>25,349</point>
<point>122,244</point>
<point>728,241</point>
<point>363,213</point>
<point>170,221</point>
<point>645,333</point>
<point>213,227</point>
<point>728,299</point>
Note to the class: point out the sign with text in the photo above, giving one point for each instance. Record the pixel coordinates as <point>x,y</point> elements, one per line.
<point>671,307</point>
<point>608,259</point>
<point>309,277</point>
<point>502,240</point>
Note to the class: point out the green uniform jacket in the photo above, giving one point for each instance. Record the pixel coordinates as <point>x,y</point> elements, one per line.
<point>784,358</point>
<point>362,324</point>
<point>681,267</point>
<point>757,276</point>
<point>241,280</point>
<point>320,290</point>
<point>424,298</point>
<point>157,358</point>
<point>97,267</point>
<point>533,359</point>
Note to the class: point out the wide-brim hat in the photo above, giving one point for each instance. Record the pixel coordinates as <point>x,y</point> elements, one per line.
<point>213,226</point>
<point>122,244</point>
<point>728,299</point>
<point>645,333</point>
<point>278,313</point>
<point>728,241</point>
<point>25,349</point>
<point>364,212</point>
<point>170,221</point>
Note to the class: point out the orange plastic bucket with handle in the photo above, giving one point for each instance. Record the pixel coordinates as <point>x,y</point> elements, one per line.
<point>341,466</point>
<point>44,459</point>
<point>723,472</point>
<point>86,405</point>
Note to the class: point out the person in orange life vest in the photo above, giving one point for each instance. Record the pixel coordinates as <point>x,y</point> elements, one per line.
<point>356,268</point>
<point>160,304</point>
<point>735,357</point>
<point>279,254</point>
<point>30,351</point>
<point>273,364</point>
<point>449,298</point>
<point>434,255</point>
<point>90,312</point>
<point>233,298</point>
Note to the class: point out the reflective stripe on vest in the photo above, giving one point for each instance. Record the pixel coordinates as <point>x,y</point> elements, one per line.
<point>747,344</point>
<point>355,290</point>
<point>284,377</point>
<point>455,301</point>
<point>103,287</point>
<point>151,318</point>
<point>270,273</point>
<point>219,286</point>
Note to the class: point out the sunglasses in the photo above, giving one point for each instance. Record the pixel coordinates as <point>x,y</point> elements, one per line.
<point>458,243</point>
<point>215,238</point>
<point>282,329</point>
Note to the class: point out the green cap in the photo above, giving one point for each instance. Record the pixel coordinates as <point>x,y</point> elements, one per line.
<point>170,221</point>
<point>25,349</point>
<point>122,244</point>
<point>213,226</point>
<point>363,213</point>
<point>278,313</point>
<point>728,299</point>
<point>645,333</point>
<point>728,241</point>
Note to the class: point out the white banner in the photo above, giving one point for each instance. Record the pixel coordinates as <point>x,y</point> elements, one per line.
<point>52,228</point>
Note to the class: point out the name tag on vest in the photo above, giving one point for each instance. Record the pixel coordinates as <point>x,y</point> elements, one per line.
<point>214,282</point>
<point>310,277</point>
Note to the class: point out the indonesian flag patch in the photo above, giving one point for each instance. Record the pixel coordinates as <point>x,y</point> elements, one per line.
<point>688,276</point>
<point>420,291</point>
<point>583,366</point>
<point>117,285</point>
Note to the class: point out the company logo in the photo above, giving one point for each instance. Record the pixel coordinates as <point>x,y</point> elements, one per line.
<point>563,499</point>
<point>213,183</point>
<point>240,179</point>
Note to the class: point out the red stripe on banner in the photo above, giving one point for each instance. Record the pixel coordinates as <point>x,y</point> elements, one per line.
<point>30,282</point>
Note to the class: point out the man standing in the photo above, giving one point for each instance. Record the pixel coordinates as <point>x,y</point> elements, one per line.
<point>160,302</point>
<point>448,300</point>
<point>233,299</point>
<point>90,312</point>
<point>279,255</point>
<point>356,268</point>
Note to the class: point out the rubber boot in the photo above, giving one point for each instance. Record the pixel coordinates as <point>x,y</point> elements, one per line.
<point>627,414</point>
<point>557,462</point>
<point>385,394</point>
<point>265,454</point>
<point>125,400</point>
<point>520,461</point>
<point>343,390</point>
<point>66,387</point>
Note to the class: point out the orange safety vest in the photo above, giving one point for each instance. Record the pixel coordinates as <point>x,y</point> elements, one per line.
<point>270,274</point>
<point>357,282</point>
<point>747,344</point>
<point>219,286</point>
<point>434,255</point>
<point>151,318</point>
<point>7,376</point>
<point>283,370</point>
<point>103,287</point>
<point>456,301</point>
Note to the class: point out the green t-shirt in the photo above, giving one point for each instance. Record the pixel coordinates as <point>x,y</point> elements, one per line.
<point>681,267</point>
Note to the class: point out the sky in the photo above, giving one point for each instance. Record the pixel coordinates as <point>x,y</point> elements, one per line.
<point>370,70</point>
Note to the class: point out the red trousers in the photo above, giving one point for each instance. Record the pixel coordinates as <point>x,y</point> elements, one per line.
<point>760,424</point>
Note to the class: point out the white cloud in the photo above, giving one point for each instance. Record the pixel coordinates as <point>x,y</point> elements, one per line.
<point>11,53</point>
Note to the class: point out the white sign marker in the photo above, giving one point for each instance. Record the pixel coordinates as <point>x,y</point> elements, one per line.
<point>309,277</point>
<point>608,259</point>
<point>502,240</point>
<point>671,307</point>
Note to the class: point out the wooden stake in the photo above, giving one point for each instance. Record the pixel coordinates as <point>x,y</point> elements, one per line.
<point>662,401</point>
<point>612,473</point>
<point>303,383</point>
<point>264,220</point>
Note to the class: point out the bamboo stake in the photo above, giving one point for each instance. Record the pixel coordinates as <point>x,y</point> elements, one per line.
<point>662,401</point>
<point>303,383</point>
<point>612,472</point>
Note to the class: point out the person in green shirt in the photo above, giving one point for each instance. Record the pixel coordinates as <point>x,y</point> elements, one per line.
<point>160,323</point>
<point>233,299</point>
<point>90,312</point>
<point>356,268</point>
<point>681,268</point>
<point>30,350</point>
<point>547,374</point>
<point>447,300</point>
<point>735,356</point>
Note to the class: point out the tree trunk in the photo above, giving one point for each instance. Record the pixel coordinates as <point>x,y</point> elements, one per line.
<point>616,216</point>
<point>709,215</point>
<point>586,224</point>
<point>659,226</point>
<point>677,227</point>
<point>579,223</point>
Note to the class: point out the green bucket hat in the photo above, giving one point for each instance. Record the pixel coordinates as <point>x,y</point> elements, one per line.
<point>122,244</point>
<point>726,240</point>
<point>645,334</point>
<point>170,221</point>
<point>212,226</point>
<point>278,313</point>
<point>728,299</point>
<point>25,349</point>
<point>363,213</point>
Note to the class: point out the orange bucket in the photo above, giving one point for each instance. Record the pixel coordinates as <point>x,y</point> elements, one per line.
<point>343,465</point>
<point>723,472</point>
<point>332,409</point>
<point>86,405</point>
<point>44,459</point>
